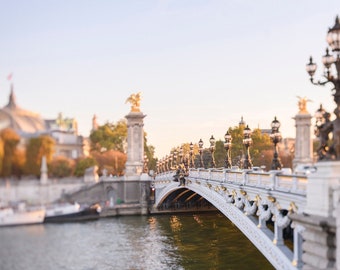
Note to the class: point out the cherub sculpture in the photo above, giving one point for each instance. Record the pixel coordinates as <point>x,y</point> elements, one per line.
<point>134,100</point>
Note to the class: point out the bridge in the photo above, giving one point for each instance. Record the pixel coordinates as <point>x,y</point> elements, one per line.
<point>292,219</point>
<point>267,205</point>
<point>251,200</point>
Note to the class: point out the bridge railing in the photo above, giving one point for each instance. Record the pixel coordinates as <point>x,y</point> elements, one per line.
<point>165,176</point>
<point>273,180</point>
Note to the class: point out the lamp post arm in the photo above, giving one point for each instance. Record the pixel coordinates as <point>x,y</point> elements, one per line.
<point>320,83</point>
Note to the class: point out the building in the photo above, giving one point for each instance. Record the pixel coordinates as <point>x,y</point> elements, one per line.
<point>29,125</point>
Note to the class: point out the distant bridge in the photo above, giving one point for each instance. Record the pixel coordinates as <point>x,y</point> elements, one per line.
<point>251,200</point>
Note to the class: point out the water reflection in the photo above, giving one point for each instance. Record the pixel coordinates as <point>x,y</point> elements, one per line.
<point>201,241</point>
<point>210,241</point>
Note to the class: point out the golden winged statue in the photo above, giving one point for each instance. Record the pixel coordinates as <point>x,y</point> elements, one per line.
<point>134,100</point>
<point>303,104</point>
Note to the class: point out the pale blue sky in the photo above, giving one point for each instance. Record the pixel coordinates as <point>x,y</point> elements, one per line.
<point>199,64</point>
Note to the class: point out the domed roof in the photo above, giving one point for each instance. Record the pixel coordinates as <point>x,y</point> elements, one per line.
<point>22,121</point>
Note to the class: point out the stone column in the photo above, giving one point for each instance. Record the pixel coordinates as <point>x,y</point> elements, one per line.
<point>320,188</point>
<point>135,145</point>
<point>145,181</point>
<point>303,141</point>
<point>43,172</point>
<point>135,157</point>
<point>320,217</point>
<point>298,241</point>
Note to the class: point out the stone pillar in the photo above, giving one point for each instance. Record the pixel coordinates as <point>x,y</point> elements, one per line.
<point>298,241</point>
<point>135,145</point>
<point>43,171</point>
<point>135,157</point>
<point>145,184</point>
<point>320,217</point>
<point>319,241</point>
<point>136,184</point>
<point>303,141</point>
<point>320,188</point>
<point>91,175</point>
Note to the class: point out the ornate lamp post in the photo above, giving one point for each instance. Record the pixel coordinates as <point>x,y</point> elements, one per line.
<point>227,146</point>
<point>163,165</point>
<point>200,150</point>
<point>333,39</point>
<point>191,152</point>
<point>212,150</point>
<point>322,123</point>
<point>180,155</point>
<point>160,166</point>
<point>276,137</point>
<point>247,142</point>
<point>170,160</point>
<point>157,166</point>
<point>175,157</point>
<point>167,163</point>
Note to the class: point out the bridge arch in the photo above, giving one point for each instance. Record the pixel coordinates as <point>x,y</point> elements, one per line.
<point>279,256</point>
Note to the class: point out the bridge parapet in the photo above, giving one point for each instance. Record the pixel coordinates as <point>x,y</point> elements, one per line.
<point>273,180</point>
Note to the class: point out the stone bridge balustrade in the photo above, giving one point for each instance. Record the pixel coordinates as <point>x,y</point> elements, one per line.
<point>273,180</point>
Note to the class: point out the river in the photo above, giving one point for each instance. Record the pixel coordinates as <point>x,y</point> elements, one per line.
<point>188,241</point>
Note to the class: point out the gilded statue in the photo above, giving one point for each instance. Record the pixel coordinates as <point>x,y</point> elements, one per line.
<point>303,104</point>
<point>134,100</point>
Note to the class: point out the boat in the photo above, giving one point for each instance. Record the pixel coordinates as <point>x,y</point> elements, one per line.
<point>67,212</point>
<point>10,216</point>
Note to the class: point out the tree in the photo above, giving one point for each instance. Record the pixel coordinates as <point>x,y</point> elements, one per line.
<point>220,154</point>
<point>237,148</point>
<point>112,161</point>
<point>286,158</point>
<point>35,150</point>
<point>261,143</point>
<point>150,153</point>
<point>19,161</point>
<point>10,139</point>
<point>109,137</point>
<point>82,164</point>
<point>61,167</point>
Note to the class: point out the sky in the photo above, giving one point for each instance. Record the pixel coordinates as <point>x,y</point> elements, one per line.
<point>200,65</point>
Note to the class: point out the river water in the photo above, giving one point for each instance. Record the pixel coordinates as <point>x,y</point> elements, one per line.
<point>189,241</point>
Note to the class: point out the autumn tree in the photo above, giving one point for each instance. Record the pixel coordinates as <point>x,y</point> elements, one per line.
<point>19,161</point>
<point>9,141</point>
<point>112,161</point>
<point>61,167</point>
<point>35,150</point>
<point>82,164</point>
